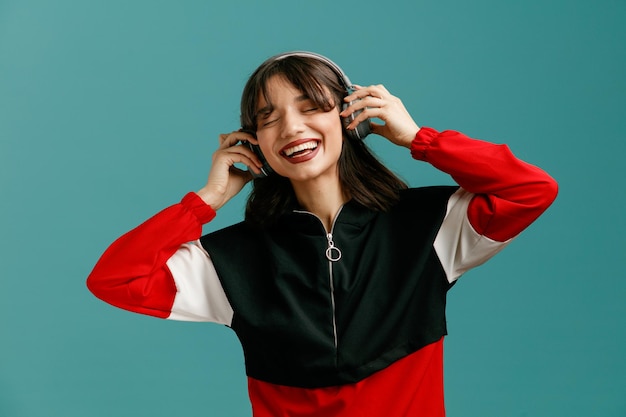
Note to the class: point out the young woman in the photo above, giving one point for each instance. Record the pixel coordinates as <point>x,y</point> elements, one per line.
<point>336,281</point>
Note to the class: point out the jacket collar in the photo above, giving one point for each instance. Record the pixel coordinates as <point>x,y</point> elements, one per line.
<point>351,215</point>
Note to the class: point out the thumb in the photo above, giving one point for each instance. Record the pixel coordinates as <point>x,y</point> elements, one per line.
<point>379,129</point>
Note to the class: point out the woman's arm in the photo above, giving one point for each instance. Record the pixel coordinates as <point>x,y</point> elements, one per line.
<point>158,269</point>
<point>509,193</point>
<point>500,196</point>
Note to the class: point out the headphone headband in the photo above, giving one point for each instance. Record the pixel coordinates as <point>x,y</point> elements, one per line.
<point>342,75</point>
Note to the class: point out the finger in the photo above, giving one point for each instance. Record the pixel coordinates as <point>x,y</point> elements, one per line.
<point>231,139</point>
<point>360,111</point>
<point>250,135</point>
<point>227,140</point>
<point>378,129</point>
<point>367,113</point>
<point>245,174</point>
<point>378,91</point>
<point>247,152</point>
<point>252,162</point>
<point>239,154</point>
<point>361,104</point>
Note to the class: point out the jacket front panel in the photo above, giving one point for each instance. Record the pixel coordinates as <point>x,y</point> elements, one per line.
<point>304,320</point>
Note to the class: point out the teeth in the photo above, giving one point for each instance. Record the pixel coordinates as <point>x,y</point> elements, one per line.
<point>301,147</point>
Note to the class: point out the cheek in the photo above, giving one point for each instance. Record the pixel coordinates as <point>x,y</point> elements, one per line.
<point>330,122</point>
<point>266,139</point>
<point>266,150</point>
<point>335,130</point>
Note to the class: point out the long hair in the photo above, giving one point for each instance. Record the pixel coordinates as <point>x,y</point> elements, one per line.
<point>364,178</point>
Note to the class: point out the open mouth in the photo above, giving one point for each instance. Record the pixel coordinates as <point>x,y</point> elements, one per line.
<point>300,149</point>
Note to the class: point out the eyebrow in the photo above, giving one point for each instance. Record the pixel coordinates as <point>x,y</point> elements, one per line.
<point>263,111</point>
<point>268,108</point>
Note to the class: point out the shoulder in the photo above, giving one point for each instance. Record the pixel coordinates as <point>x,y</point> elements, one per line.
<point>420,211</point>
<point>432,197</point>
<point>231,237</point>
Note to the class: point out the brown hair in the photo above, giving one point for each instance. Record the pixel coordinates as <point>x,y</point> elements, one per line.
<point>365,179</point>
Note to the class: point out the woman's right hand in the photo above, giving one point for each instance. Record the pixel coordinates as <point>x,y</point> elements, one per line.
<point>225,180</point>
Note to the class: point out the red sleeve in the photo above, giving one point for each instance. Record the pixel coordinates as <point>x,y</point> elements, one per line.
<point>509,193</point>
<point>132,273</point>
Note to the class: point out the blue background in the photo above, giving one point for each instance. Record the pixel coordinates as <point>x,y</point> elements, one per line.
<point>110,111</point>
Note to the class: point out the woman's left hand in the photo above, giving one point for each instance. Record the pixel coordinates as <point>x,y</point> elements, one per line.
<point>377,102</point>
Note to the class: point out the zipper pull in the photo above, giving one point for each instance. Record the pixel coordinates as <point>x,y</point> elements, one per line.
<point>333,253</point>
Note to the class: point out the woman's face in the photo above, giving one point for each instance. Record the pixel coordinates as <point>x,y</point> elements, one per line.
<point>298,139</point>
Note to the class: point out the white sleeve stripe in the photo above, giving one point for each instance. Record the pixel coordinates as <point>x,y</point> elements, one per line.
<point>458,246</point>
<point>199,296</point>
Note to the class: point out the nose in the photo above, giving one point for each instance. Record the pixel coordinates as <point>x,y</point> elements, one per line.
<point>292,124</point>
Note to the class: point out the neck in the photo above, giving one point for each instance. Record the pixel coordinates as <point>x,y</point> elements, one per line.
<point>323,200</point>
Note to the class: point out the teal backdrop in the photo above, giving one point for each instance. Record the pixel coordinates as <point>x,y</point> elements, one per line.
<point>110,111</point>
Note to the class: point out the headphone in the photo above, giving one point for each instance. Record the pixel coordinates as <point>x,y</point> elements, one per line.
<point>358,133</point>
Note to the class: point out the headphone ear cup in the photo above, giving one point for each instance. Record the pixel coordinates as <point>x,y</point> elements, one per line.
<point>362,129</point>
<point>266,169</point>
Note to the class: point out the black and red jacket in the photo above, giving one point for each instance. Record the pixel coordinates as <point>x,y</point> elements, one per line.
<point>349,323</point>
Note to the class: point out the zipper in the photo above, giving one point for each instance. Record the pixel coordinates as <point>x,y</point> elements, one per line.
<point>333,254</point>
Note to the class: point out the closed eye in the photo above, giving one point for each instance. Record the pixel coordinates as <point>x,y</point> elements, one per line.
<point>265,119</point>
<point>269,123</point>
